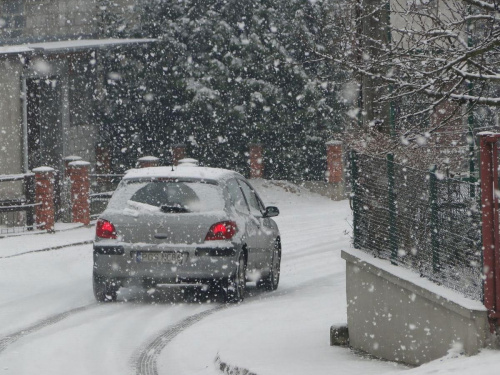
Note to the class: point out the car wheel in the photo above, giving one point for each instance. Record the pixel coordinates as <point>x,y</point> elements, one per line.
<point>236,284</point>
<point>104,289</point>
<point>272,280</point>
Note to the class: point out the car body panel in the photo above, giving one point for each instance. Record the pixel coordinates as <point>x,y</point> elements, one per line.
<point>146,232</point>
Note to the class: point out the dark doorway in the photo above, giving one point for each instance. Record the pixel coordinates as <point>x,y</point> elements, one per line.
<point>44,122</point>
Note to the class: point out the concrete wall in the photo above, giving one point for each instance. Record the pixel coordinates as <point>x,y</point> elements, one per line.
<point>10,126</point>
<point>400,319</point>
<point>334,191</point>
<point>35,20</point>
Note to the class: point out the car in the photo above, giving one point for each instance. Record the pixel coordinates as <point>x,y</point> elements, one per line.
<point>186,225</point>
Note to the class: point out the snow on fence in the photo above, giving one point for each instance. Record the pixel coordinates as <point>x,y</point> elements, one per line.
<point>102,187</point>
<point>17,214</point>
<point>428,221</point>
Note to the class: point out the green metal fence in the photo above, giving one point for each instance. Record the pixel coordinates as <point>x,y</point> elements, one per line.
<point>423,220</point>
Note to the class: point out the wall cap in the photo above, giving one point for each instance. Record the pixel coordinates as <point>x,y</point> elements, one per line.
<point>79,163</point>
<point>43,170</point>
<point>72,158</point>
<point>334,143</point>
<point>412,281</point>
<point>148,158</point>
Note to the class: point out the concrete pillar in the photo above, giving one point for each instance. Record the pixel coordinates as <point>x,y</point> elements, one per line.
<point>256,161</point>
<point>44,197</point>
<point>334,162</point>
<point>148,161</point>
<point>178,153</point>
<point>78,172</point>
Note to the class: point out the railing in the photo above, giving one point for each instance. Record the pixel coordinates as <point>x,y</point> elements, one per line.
<point>10,219</point>
<point>102,187</point>
<point>424,220</point>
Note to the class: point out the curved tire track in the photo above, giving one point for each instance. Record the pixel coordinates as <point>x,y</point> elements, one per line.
<point>13,337</point>
<point>145,364</point>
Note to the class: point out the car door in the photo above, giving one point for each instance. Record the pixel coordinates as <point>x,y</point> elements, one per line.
<point>246,221</point>
<point>264,234</point>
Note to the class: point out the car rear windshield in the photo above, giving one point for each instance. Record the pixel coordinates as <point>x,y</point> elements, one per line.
<point>168,196</point>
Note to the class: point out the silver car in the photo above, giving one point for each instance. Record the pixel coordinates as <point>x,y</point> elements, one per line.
<point>191,225</point>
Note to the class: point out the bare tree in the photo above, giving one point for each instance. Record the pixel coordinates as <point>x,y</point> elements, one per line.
<point>424,68</point>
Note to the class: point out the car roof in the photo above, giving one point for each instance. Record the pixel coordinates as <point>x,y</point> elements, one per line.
<point>191,172</point>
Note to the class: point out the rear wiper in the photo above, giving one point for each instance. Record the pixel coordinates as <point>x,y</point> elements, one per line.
<point>173,208</point>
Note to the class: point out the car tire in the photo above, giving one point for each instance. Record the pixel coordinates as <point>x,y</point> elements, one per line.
<point>236,284</point>
<point>271,281</point>
<point>104,289</point>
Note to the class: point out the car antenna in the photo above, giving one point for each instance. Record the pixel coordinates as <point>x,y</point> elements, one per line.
<point>172,167</point>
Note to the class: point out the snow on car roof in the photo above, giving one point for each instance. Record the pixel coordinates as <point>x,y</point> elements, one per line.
<point>183,172</point>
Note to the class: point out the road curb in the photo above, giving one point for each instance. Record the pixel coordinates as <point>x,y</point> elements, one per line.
<point>49,249</point>
<point>228,369</point>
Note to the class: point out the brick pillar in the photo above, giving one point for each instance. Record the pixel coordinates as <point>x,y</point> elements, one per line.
<point>69,159</point>
<point>148,161</point>
<point>256,161</point>
<point>44,197</point>
<point>334,162</point>
<point>178,153</point>
<point>103,160</point>
<point>78,172</point>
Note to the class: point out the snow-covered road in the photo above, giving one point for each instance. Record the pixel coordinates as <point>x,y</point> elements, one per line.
<point>50,323</point>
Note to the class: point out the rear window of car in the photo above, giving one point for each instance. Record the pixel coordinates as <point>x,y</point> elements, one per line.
<point>194,196</point>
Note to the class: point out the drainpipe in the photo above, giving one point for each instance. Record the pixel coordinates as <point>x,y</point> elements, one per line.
<point>24,95</point>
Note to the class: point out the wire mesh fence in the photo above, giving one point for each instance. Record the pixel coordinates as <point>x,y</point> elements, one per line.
<point>424,220</point>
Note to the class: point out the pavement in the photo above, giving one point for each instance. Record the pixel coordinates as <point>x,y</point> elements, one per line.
<point>64,235</point>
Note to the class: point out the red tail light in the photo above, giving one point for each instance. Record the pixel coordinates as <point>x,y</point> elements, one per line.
<point>105,229</point>
<point>225,230</point>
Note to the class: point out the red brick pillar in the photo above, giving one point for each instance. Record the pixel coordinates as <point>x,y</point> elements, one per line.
<point>78,172</point>
<point>44,197</point>
<point>334,162</point>
<point>256,161</point>
<point>148,161</point>
<point>178,153</point>
<point>69,159</point>
<point>103,160</point>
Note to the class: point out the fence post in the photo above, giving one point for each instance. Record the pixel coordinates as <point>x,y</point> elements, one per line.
<point>178,153</point>
<point>78,172</point>
<point>490,227</point>
<point>256,161</point>
<point>393,241</point>
<point>433,200</point>
<point>354,197</point>
<point>29,191</point>
<point>44,195</point>
<point>148,161</point>
<point>334,161</point>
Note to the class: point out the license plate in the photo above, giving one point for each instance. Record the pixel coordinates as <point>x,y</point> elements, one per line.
<point>159,257</point>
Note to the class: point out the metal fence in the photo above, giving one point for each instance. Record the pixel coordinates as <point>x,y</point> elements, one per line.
<point>17,214</point>
<point>102,187</point>
<point>428,221</point>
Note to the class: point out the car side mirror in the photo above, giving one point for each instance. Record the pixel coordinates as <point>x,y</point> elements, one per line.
<point>271,211</point>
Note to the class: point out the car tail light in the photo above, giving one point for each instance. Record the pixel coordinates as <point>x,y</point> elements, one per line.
<point>224,230</point>
<point>105,229</point>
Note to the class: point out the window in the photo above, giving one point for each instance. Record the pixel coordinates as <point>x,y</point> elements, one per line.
<point>13,18</point>
<point>193,196</point>
<point>237,198</point>
<point>253,201</point>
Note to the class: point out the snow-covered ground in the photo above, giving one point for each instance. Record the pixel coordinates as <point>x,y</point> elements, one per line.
<point>50,323</point>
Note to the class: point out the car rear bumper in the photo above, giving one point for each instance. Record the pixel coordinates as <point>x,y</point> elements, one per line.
<point>190,264</point>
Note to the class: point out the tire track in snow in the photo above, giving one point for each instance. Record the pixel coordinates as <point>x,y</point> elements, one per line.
<point>145,361</point>
<point>145,364</point>
<point>13,337</point>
